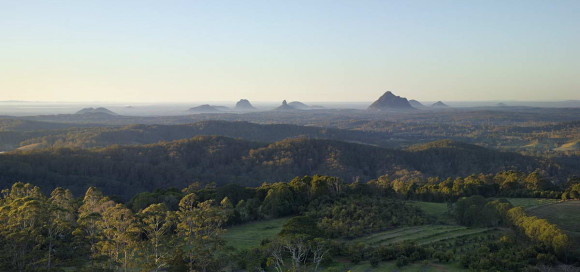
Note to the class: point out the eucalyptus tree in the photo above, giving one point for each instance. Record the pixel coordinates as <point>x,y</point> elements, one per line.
<point>22,220</point>
<point>61,220</point>
<point>120,234</point>
<point>156,221</point>
<point>199,226</point>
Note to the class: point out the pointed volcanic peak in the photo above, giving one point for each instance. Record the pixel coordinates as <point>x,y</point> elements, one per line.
<point>391,102</point>
<point>204,109</point>
<point>439,104</point>
<point>416,104</point>
<point>285,107</point>
<point>99,110</point>
<point>244,105</point>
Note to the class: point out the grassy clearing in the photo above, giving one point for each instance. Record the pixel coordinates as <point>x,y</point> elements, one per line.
<point>529,203</point>
<point>570,146</point>
<point>423,235</point>
<point>452,235</point>
<point>29,147</point>
<point>399,232</point>
<point>437,210</point>
<point>565,214</point>
<point>250,235</point>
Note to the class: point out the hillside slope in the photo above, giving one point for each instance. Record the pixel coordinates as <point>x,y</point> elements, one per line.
<point>125,170</point>
<point>148,134</point>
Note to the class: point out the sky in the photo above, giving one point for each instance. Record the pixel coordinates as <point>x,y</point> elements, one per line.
<point>316,50</point>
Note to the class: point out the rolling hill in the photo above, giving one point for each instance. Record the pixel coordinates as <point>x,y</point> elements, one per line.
<point>148,134</point>
<point>126,170</point>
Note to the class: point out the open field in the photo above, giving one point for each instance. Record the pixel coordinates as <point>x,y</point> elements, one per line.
<point>455,238</point>
<point>565,214</point>
<point>529,203</point>
<point>250,235</point>
<point>423,235</point>
<point>436,210</point>
<point>570,146</point>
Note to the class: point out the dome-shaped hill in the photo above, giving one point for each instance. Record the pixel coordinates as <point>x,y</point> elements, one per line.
<point>416,104</point>
<point>204,109</point>
<point>439,104</point>
<point>244,105</point>
<point>99,110</point>
<point>299,105</point>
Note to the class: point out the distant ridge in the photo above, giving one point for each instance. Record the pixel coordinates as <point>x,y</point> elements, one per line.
<point>204,109</point>
<point>99,110</point>
<point>244,105</point>
<point>285,107</point>
<point>439,104</point>
<point>221,108</point>
<point>389,101</point>
<point>299,105</point>
<point>416,104</point>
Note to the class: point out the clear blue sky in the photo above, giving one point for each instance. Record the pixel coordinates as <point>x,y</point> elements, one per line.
<point>164,51</point>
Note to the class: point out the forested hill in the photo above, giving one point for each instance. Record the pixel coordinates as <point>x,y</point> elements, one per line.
<point>541,140</point>
<point>125,170</point>
<point>13,132</point>
<point>148,134</point>
<point>8,124</point>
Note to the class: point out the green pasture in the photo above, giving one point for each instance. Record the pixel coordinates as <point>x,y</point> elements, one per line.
<point>250,235</point>
<point>422,235</point>
<point>565,214</point>
<point>531,203</point>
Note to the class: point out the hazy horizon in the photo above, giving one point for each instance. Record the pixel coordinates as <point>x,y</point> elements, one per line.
<point>330,51</point>
<point>369,101</point>
<point>34,108</point>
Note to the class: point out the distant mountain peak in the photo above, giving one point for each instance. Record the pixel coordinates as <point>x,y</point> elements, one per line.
<point>389,101</point>
<point>285,107</point>
<point>244,104</point>
<point>99,110</point>
<point>206,108</point>
<point>298,105</point>
<point>416,104</point>
<point>439,104</point>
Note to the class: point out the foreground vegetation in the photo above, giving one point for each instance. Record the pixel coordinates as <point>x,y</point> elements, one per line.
<point>308,224</point>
